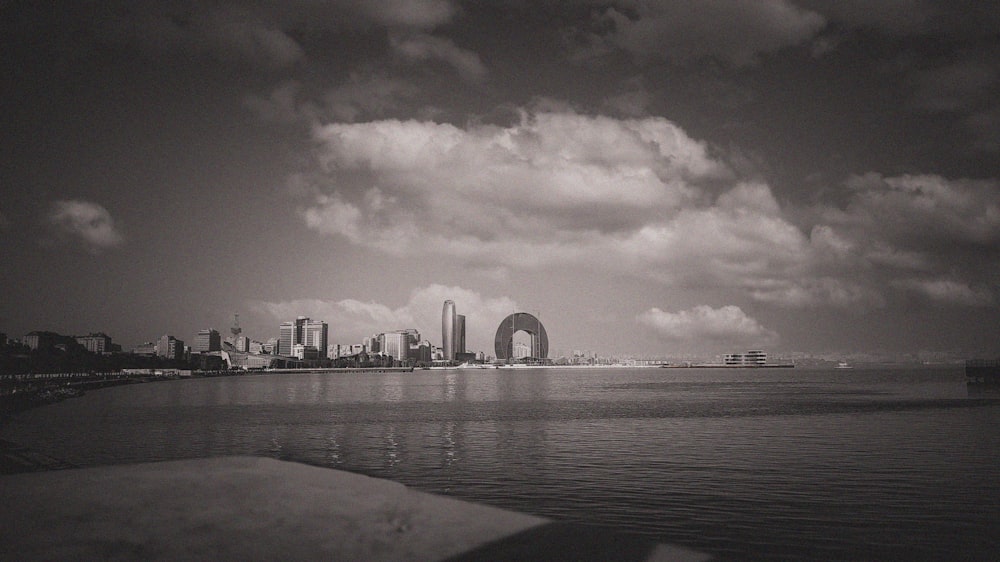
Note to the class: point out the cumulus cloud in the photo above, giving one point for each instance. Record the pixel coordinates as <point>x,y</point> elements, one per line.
<point>562,189</point>
<point>88,222</point>
<point>706,327</point>
<point>555,187</point>
<point>728,30</point>
<point>424,47</point>
<point>351,320</point>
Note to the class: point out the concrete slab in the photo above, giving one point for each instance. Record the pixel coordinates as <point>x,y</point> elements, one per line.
<point>248,508</point>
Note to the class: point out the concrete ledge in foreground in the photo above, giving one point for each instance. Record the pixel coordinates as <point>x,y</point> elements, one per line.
<point>247,508</point>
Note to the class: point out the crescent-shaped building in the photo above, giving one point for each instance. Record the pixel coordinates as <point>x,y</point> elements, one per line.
<point>521,322</point>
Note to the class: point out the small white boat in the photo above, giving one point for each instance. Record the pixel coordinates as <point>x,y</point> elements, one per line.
<point>844,365</point>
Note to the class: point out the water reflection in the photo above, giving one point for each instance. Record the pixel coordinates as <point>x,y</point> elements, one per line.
<point>782,462</point>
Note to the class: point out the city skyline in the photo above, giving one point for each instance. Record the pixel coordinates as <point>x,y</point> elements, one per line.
<point>646,177</point>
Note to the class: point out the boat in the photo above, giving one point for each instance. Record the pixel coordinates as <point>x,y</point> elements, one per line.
<point>844,365</point>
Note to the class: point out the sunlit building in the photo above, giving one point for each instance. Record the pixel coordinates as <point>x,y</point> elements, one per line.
<point>396,345</point>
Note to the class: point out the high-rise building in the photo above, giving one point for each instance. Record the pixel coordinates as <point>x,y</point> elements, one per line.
<point>206,341</point>
<point>314,333</point>
<point>459,334</point>
<point>303,331</point>
<point>448,321</point>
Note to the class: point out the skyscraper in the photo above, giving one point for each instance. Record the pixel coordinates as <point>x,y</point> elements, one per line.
<point>460,334</point>
<point>448,321</point>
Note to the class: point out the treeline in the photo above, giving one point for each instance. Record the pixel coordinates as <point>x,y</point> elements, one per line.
<point>18,360</point>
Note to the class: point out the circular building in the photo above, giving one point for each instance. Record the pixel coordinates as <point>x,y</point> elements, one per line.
<point>521,322</point>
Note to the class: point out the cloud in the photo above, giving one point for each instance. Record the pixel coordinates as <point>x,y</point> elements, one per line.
<point>424,14</point>
<point>560,189</point>
<point>351,320</point>
<point>730,30</point>
<point>947,291</point>
<point>91,223</point>
<point>553,188</point>
<point>359,96</point>
<point>922,234</point>
<point>227,33</point>
<point>257,33</point>
<point>423,47</point>
<point>928,214</point>
<point>704,327</point>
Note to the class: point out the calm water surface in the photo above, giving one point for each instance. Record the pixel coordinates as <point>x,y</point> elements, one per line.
<point>777,464</point>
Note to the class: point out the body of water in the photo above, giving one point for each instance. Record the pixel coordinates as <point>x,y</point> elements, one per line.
<point>751,463</point>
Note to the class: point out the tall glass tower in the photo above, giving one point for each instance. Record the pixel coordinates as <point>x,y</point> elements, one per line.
<point>448,322</point>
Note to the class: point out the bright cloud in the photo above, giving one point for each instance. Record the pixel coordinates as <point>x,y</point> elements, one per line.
<point>89,222</point>
<point>351,320</point>
<point>705,327</point>
<point>553,188</point>
<point>639,195</point>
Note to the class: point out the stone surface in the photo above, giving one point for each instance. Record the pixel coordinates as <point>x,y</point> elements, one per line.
<point>248,508</point>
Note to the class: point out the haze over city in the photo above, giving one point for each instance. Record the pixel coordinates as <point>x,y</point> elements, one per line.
<point>646,177</point>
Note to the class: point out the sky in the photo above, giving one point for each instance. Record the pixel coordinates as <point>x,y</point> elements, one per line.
<point>655,178</point>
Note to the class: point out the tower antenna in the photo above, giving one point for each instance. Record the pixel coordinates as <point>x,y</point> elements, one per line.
<point>236,330</point>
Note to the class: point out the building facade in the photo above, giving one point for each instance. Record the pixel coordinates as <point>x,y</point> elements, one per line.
<point>396,345</point>
<point>459,334</point>
<point>95,343</point>
<point>207,340</point>
<point>314,334</point>
<point>170,347</point>
<point>303,331</point>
